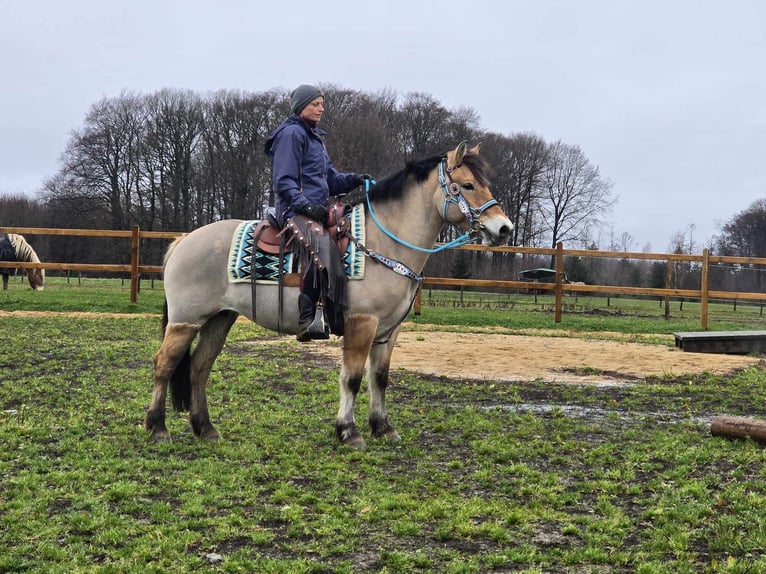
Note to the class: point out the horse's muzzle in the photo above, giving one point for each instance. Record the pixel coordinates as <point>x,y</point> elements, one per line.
<point>495,230</point>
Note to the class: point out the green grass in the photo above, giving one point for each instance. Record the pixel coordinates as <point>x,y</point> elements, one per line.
<point>522,477</point>
<point>83,295</point>
<point>514,312</point>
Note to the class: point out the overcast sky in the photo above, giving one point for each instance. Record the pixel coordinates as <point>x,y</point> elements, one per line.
<point>667,98</point>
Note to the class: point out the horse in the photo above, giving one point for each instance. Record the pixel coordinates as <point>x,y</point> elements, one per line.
<point>403,216</point>
<point>14,247</point>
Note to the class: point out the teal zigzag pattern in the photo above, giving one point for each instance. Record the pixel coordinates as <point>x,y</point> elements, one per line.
<point>243,261</point>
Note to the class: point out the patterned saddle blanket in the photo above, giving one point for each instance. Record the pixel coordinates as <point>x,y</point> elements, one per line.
<point>244,259</point>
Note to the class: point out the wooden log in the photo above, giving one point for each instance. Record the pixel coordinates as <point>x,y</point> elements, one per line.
<point>739,427</point>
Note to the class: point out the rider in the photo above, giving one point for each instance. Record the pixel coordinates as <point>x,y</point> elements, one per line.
<point>303,178</point>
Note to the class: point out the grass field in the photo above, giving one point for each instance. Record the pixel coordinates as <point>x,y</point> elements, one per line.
<point>447,307</point>
<point>489,476</point>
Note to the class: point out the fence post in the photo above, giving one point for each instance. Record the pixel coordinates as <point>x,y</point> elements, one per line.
<point>705,283</point>
<point>559,280</point>
<point>134,260</point>
<point>668,285</point>
<point>418,295</point>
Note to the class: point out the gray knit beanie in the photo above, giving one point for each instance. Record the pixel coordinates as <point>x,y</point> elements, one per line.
<point>302,96</point>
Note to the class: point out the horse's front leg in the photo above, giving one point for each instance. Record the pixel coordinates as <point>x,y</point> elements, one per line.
<point>211,340</point>
<point>5,281</point>
<point>357,340</point>
<point>377,377</point>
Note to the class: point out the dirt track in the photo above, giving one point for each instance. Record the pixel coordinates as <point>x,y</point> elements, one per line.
<point>497,356</point>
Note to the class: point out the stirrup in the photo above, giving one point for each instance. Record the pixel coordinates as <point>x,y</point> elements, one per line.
<point>317,329</point>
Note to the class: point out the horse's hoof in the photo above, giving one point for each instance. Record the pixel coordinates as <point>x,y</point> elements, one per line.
<point>160,436</point>
<point>392,436</point>
<point>356,442</point>
<point>211,436</point>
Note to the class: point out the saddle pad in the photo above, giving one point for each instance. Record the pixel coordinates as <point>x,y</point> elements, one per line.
<point>242,261</point>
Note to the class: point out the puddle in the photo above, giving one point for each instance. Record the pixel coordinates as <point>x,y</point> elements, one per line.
<point>596,413</point>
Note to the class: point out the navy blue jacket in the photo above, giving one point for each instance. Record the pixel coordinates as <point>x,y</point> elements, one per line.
<point>302,172</point>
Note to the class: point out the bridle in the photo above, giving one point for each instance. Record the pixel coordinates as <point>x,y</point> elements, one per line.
<point>452,195</point>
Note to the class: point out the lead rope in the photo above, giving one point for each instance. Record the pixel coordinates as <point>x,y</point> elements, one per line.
<point>457,242</point>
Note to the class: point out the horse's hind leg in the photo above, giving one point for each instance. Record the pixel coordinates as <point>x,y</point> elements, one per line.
<point>212,337</point>
<point>357,340</point>
<point>377,377</point>
<point>175,344</point>
<point>5,281</point>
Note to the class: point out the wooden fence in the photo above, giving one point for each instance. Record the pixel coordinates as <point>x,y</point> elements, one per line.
<point>134,268</point>
<point>559,288</point>
<point>704,294</point>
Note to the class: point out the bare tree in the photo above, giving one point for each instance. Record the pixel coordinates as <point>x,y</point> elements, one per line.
<point>422,126</point>
<point>574,195</point>
<point>174,127</point>
<point>100,162</point>
<point>518,163</point>
<point>358,136</point>
<point>232,162</point>
<point>18,210</point>
<point>744,235</point>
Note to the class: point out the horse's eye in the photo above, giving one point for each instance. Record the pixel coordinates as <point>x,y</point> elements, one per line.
<point>468,186</point>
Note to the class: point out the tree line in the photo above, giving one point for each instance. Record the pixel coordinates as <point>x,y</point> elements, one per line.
<point>175,160</point>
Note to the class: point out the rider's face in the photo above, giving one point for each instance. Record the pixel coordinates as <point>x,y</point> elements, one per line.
<point>313,111</point>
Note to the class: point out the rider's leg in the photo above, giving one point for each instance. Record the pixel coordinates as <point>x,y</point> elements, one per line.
<point>311,324</point>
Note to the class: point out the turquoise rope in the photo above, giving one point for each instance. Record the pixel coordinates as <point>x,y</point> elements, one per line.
<point>457,242</point>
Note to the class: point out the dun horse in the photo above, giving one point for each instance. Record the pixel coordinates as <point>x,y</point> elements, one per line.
<point>14,247</point>
<point>402,220</point>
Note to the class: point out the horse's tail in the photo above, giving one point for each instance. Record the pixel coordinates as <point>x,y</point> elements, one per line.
<point>170,249</point>
<point>180,380</point>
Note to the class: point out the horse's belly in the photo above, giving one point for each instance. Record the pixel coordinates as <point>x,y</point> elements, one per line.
<point>240,299</point>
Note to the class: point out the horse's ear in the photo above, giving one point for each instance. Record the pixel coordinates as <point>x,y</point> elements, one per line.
<point>475,149</point>
<point>460,153</point>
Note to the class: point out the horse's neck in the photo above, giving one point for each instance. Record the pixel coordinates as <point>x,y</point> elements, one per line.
<point>24,251</point>
<point>412,219</point>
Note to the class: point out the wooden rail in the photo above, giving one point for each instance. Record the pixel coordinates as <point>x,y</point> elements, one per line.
<point>134,268</point>
<point>559,288</point>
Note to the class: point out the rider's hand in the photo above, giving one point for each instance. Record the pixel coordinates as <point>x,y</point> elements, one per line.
<point>361,178</point>
<point>315,211</point>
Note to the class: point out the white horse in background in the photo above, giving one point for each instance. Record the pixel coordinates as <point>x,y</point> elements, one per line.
<point>14,247</point>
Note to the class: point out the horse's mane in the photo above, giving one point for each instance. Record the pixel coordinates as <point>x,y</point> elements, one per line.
<point>24,251</point>
<point>393,186</point>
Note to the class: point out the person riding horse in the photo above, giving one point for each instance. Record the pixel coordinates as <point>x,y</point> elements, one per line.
<point>402,217</point>
<point>303,178</point>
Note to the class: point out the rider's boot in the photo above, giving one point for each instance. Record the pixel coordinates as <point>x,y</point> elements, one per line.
<point>311,323</point>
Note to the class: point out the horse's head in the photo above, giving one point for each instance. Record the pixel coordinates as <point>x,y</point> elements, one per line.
<point>36,279</point>
<point>465,199</point>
